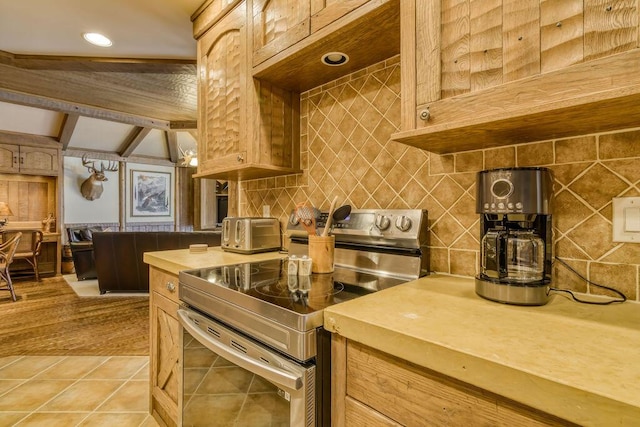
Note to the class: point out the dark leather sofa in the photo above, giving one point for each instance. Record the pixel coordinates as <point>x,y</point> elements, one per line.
<point>81,245</point>
<point>119,255</point>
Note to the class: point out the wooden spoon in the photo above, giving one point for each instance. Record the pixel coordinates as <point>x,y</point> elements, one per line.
<point>327,226</point>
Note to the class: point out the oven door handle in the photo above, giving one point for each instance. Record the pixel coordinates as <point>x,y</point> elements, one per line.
<point>277,376</point>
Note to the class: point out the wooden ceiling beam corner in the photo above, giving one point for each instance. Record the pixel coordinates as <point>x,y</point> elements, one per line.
<point>133,140</point>
<point>183,125</point>
<point>69,123</point>
<point>172,145</point>
<point>194,134</point>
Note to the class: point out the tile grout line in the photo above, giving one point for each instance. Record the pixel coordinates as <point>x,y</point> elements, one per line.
<point>75,381</point>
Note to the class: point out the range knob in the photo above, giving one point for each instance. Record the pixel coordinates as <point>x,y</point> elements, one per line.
<point>382,222</point>
<point>403,223</point>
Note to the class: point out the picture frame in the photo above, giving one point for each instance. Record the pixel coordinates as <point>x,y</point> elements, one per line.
<point>150,194</point>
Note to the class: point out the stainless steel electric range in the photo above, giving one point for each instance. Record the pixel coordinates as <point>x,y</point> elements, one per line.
<point>254,350</point>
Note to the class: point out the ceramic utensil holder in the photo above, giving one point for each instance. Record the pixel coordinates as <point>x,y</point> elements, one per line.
<point>321,252</point>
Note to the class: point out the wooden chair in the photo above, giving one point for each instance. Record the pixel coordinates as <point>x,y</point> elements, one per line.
<point>7,251</point>
<point>29,247</point>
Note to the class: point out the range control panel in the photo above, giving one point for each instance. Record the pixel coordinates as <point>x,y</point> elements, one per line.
<point>377,226</point>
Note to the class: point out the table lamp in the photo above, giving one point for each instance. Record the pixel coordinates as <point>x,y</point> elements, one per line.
<point>4,212</point>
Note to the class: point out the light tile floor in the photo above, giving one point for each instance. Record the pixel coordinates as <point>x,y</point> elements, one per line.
<point>75,391</point>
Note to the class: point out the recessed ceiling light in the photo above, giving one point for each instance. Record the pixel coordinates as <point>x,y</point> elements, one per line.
<point>97,39</point>
<point>334,59</point>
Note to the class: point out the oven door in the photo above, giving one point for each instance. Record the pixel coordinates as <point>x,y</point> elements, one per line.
<point>232,380</point>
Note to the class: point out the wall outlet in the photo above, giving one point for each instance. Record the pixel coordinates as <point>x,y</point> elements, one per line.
<point>266,211</point>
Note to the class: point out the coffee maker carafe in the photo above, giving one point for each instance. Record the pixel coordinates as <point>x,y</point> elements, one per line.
<point>515,235</point>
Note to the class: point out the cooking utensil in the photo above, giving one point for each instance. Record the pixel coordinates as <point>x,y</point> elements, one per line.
<point>342,213</point>
<point>327,226</point>
<point>307,217</point>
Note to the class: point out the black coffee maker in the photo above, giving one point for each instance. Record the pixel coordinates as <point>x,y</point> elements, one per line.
<point>515,235</point>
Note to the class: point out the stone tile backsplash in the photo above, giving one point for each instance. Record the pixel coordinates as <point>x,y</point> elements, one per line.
<point>346,151</point>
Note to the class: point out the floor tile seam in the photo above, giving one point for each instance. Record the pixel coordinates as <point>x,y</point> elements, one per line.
<point>19,357</point>
<point>97,408</point>
<point>74,382</point>
<point>36,374</point>
<point>23,381</point>
<point>145,366</point>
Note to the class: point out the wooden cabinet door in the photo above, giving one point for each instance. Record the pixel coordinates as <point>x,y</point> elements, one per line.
<point>222,93</point>
<point>373,379</point>
<point>38,161</point>
<point>165,380</point>
<point>9,158</point>
<point>277,25</point>
<point>324,12</point>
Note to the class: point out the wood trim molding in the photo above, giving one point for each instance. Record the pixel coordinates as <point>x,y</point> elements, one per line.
<point>105,155</point>
<point>28,139</point>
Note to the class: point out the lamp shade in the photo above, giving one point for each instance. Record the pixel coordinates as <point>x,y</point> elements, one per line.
<point>4,209</point>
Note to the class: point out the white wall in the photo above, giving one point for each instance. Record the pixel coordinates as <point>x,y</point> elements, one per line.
<point>77,209</point>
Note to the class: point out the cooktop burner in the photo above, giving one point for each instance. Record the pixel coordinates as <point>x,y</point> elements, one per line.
<point>269,282</point>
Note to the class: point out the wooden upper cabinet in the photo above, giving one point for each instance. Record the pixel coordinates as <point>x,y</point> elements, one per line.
<point>324,12</point>
<point>9,158</point>
<point>38,161</point>
<point>277,25</point>
<point>28,160</point>
<point>486,73</point>
<point>248,129</point>
<point>222,92</point>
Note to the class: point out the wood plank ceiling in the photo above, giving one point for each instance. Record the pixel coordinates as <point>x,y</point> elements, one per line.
<point>145,93</point>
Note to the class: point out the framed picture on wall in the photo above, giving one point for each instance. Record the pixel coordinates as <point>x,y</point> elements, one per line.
<point>150,194</point>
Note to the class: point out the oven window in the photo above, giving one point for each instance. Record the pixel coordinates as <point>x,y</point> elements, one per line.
<point>219,393</point>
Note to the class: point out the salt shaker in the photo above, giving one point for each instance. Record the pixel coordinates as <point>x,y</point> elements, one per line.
<point>292,265</point>
<point>304,266</point>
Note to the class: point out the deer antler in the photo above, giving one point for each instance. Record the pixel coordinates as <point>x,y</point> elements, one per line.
<point>112,166</point>
<point>90,165</point>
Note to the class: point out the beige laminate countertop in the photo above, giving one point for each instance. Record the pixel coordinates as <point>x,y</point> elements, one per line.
<point>579,362</point>
<point>176,260</point>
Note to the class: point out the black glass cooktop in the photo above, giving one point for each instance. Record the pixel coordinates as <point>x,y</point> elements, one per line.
<point>269,281</point>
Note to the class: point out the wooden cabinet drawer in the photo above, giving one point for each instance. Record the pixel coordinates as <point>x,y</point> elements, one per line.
<point>164,283</point>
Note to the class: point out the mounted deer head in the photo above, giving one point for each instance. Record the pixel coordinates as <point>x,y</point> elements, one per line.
<point>91,188</point>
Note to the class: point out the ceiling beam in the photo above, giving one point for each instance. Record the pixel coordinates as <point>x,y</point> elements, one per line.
<point>133,140</point>
<point>172,145</point>
<point>163,97</point>
<point>99,64</point>
<point>83,110</point>
<point>66,130</point>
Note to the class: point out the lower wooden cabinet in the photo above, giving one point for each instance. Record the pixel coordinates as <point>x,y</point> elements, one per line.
<point>375,389</point>
<point>165,380</point>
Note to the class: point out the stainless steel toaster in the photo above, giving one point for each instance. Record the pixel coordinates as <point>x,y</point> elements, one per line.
<point>249,235</point>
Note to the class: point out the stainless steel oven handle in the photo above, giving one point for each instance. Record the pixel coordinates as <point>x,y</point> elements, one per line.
<point>278,376</point>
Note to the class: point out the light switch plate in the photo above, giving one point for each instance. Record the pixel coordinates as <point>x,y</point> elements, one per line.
<point>626,219</point>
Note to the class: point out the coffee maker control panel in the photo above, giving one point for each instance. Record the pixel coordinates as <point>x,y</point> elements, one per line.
<point>505,191</point>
